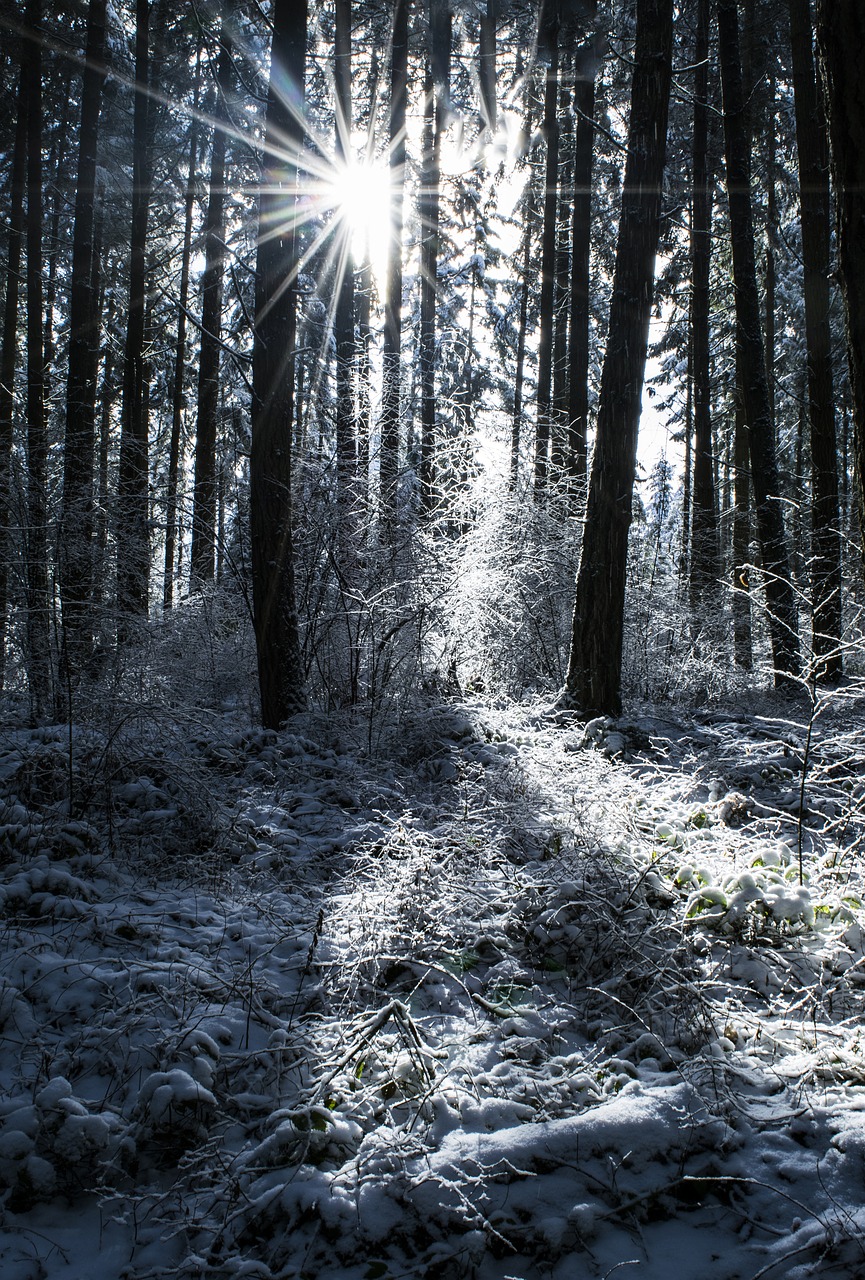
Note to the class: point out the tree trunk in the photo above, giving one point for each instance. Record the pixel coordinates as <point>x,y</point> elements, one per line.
<point>594,670</point>
<point>133,540</point>
<point>519,378</point>
<point>581,242</point>
<point>9,357</point>
<point>705,552</point>
<point>780,596</point>
<point>392,338</point>
<point>346,447</point>
<point>430,201</point>
<point>816,254</point>
<point>76,567</point>
<point>178,393</point>
<point>277,637</point>
<point>742,651</point>
<point>36,542</point>
<point>543,425</point>
<point>841,44</point>
<point>204,499</point>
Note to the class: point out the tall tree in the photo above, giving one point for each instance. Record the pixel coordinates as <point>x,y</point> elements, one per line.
<point>548,38</point>
<point>392,339</point>
<point>705,554</point>
<point>9,355</point>
<point>77,515</point>
<point>435,108</point>
<point>780,596</point>
<point>204,496</point>
<point>277,636</point>
<point>346,448</point>
<point>841,44</point>
<point>133,538</point>
<point>585,71</point>
<point>36,542</point>
<point>178,391</point>
<point>593,680</point>
<point>816,227</point>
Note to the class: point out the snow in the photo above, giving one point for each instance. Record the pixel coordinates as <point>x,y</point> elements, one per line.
<point>512,996</point>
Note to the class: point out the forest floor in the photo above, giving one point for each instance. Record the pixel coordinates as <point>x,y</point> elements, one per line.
<point>494,994</point>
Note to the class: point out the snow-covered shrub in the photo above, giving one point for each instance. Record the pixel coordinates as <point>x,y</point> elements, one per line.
<point>54,1145</point>
<point>510,603</point>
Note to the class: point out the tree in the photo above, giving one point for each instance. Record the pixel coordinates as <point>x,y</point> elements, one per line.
<point>391,347</point>
<point>133,537</point>
<point>435,106</point>
<point>9,355</point>
<point>585,71</point>
<point>277,636</point>
<point>705,553</point>
<point>36,542</point>
<point>204,498</point>
<point>841,45</point>
<point>751,356</point>
<point>593,681</point>
<point>178,393</point>
<point>346,453</point>
<point>814,203</point>
<point>77,516</point>
<point>549,39</point>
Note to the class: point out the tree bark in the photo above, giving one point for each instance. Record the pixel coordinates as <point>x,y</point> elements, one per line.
<point>594,671</point>
<point>705,553</point>
<point>202,558</point>
<point>132,522</point>
<point>9,357</point>
<point>581,242</point>
<point>277,633</point>
<point>519,378</point>
<point>841,45</point>
<point>76,549</point>
<point>346,351</point>
<point>392,338</point>
<point>36,541</point>
<point>430,202</point>
<point>814,204</point>
<point>178,393</point>
<point>543,424</point>
<point>781,600</point>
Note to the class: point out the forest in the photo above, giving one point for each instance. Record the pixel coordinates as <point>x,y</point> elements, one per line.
<point>432,652</point>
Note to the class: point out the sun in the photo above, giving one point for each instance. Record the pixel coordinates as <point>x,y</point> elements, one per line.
<point>362,200</point>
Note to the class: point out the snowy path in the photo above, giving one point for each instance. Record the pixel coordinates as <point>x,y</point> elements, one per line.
<point>512,999</point>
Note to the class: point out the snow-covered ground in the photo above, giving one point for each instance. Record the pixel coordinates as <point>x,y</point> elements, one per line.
<point>510,997</point>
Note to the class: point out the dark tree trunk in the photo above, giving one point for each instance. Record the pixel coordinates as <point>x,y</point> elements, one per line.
<point>519,378</point>
<point>346,448</point>
<point>76,547</point>
<point>9,357</point>
<point>841,44</point>
<point>749,338</point>
<point>178,393</point>
<point>705,553</point>
<point>132,522</point>
<point>204,498</point>
<point>277,637</point>
<point>364,370</point>
<point>594,671</point>
<point>434,125</point>
<point>581,242</point>
<point>814,203</point>
<point>392,338</point>
<point>742,651</point>
<point>543,425</point>
<point>561,303</point>
<point>36,542</point>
